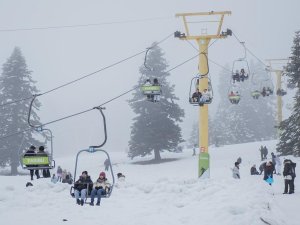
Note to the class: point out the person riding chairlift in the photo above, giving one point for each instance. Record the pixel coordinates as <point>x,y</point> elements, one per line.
<point>234,97</point>
<point>205,98</point>
<point>156,98</point>
<point>236,76</point>
<point>196,96</point>
<point>243,75</point>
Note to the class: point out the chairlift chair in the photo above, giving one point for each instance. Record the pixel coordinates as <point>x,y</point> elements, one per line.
<point>196,100</point>
<point>36,160</point>
<point>94,149</point>
<point>152,91</point>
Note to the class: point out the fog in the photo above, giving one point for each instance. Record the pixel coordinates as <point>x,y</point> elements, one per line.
<point>57,56</point>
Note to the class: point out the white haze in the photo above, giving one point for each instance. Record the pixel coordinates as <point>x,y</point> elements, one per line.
<point>57,56</point>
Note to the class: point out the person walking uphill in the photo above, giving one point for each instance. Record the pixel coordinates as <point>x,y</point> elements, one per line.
<point>106,164</point>
<point>289,176</point>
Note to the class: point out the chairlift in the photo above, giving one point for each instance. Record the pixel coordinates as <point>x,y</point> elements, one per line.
<point>94,149</point>
<point>234,95</point>
<point>38,161</point>
<point>240,67</point>
<point>197,97</point>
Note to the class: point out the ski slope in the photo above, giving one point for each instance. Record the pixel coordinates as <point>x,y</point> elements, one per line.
<point>160,194</point>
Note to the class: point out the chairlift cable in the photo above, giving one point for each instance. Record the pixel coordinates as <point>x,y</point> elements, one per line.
<point>90,74</point>
<point>88,110</point>
<point>83,25</point>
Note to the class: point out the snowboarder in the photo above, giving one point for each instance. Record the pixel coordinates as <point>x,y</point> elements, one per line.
<point>289,176</point>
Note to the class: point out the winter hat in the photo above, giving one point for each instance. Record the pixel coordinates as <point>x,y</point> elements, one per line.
<point>32,147</point>
<point>85,172</point>
<point>41,148</point>
<point>102,174</point>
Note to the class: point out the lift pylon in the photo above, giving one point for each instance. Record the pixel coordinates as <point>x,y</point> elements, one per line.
<point>279,73</point>
<point>203,42</point>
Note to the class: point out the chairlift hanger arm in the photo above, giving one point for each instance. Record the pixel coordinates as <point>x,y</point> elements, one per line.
<point>104,126</point>
<point>29,113</point>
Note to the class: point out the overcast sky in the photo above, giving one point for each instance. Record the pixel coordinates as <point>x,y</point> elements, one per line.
<point>57,56</point>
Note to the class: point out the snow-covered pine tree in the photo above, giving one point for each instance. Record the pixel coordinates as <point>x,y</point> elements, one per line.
<point>250,120</point>
<point>15,83</point>
<point>155,128</point>
<point>289,142</point>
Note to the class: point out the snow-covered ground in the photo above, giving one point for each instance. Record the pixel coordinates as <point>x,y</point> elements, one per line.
<point>160,194</point>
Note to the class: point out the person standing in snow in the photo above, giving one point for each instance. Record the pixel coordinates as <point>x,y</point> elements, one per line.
<point>289,176</point>
<point>262,167</point>
<point>262,153</point>
<point>106,164</point>
<point>268,172</point>
<point>235,171</point>
<point>274,161</point>
<point>278,165</point>
<point>265,152</point>
<point>59,173</point>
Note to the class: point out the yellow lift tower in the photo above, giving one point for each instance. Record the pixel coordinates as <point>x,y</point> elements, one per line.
<point>279,73</point>
<point>203,40</point>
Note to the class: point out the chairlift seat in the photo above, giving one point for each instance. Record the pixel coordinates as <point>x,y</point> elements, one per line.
<point>37,162</point>
<point>151,89</point>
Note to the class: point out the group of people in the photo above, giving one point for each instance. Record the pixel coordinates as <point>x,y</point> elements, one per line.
<point>41,152</point>
<point>266,91</point>
<point>272,167</point>
<point>240,76</point>
<point>152,96</point>
<point>63,176</point>
<point>201,97</point>
<point>84,186</point>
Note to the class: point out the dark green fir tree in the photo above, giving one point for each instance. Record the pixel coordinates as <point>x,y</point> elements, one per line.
<point>289,142</point>
<point>16,83</point>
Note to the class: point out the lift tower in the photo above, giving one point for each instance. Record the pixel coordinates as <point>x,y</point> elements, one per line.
<point>279,73</point>
<point>203,42</point>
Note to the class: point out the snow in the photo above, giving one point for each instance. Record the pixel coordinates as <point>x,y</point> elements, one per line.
<point>160,194</point>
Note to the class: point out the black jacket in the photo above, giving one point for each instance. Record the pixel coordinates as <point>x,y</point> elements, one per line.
<point>83,183</point>
<point>289,168</point>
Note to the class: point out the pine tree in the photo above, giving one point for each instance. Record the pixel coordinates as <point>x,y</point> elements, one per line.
<point>289,142</point>
<point>15,83</point>
<point>155,128</point>
<point>250,120</point>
